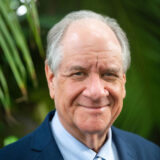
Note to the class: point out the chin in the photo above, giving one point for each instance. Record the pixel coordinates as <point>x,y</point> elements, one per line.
<point>94,127</point>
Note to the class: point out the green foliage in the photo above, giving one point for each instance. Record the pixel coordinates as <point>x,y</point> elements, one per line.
<point>141,111</point>
<point>14,46</point>
<point>4,94</point>
<point>32,17</point>
<point>10,140</point>
<point>139,19</point>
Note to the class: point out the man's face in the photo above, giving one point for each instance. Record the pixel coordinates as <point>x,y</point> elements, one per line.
<point>89,86</point>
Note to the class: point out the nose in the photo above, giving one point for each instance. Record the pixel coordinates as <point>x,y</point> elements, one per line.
<point>95,89</point>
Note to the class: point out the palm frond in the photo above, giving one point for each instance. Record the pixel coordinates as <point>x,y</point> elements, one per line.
<point>14,45</point>
<point>14,26</point>
<point>33,20</point>
<point>4,92</point>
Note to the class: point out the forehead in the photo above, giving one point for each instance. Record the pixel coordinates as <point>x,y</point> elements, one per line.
<point>88,32</point>
<point>91,61</point>
<point>90,40</point>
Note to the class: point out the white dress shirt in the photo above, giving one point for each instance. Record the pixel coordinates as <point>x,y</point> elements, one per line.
<point>73,149</point>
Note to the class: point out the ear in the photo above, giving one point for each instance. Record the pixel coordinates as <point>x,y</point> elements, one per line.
<point>50,77</point>
<point>124,88</point>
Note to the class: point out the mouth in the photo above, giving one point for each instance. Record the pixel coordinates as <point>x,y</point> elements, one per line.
<point>97,107</point>
<point>93,107</point>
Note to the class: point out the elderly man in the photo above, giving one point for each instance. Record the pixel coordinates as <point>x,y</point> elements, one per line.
<point>87,58</point>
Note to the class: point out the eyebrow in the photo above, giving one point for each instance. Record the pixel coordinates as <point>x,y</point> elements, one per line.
<point>80,68</point>
<point>76,68</point>
<point>112,70</point>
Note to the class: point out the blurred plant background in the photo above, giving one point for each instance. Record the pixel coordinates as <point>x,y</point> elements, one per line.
<point>24,97</point>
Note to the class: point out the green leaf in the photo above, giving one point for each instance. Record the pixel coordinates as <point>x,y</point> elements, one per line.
<point>12,21</point>
<point>13,48</point>
<point>12,64</point>
<point>33,20</point>
<point>10,140</point>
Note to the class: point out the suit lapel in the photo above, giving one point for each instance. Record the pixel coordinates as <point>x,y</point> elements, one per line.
<point>125,150</point>
<point>44,143</point>
<point>51,152</point>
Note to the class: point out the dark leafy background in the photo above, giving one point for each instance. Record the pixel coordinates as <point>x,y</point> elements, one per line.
<point>141,111</point>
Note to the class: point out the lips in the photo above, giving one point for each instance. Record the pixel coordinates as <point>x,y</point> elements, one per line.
<point>94,106</point>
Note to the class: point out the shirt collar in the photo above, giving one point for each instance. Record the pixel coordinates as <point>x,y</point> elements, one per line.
<point>71,148</point>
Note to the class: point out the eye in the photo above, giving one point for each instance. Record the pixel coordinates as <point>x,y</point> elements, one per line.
<point>109,74</point>
<point>78,73</point>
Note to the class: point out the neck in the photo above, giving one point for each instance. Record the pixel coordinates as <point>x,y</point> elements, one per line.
<point>94,141</point>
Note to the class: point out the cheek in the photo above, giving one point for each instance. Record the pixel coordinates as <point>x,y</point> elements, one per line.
<point>72,91</point>
<point>117,108</point>
<point>117,95</point>
<point>66,95</point>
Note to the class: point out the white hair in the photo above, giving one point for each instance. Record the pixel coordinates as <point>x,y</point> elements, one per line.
<point>55,35</point>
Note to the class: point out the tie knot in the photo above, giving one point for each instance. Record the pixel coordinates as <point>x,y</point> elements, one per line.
<point>98,158</point>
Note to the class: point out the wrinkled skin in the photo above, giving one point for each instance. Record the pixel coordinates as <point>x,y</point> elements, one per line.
<point>89,86</point>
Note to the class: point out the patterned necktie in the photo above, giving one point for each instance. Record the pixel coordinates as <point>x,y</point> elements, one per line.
<point>98,158</point>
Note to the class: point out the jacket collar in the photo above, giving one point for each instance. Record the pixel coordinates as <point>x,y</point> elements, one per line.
<point>44,142</point>
<point>124,149</point>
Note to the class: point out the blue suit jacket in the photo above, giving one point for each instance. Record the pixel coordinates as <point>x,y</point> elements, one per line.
<point>41,145</point>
